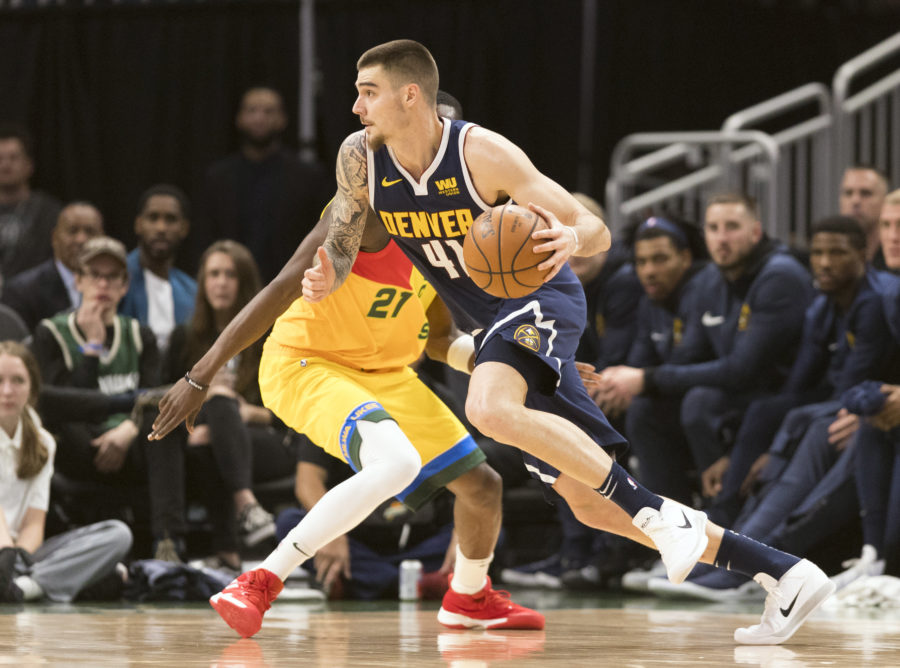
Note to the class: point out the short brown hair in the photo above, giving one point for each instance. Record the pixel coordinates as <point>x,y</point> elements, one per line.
<point>405,61</point>
<point>735,197</point>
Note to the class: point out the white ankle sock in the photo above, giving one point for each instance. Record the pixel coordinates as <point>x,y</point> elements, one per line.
<point>469,575</point>
<point>390,464</point>
<point>31,590</point>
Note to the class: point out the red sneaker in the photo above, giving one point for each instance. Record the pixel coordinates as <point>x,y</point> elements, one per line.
<point>243,603</point>
<point>488,609</point>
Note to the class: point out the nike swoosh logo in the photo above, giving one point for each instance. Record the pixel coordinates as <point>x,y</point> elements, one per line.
<point>710,320</point>
<point>687,523</point>
<point>658,337</point>
<point>297,547</point>
<point>832,347</point>
<point>787,611</point>
<point>388,184</point>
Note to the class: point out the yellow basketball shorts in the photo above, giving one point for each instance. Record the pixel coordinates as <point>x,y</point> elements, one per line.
<point>324,400</point>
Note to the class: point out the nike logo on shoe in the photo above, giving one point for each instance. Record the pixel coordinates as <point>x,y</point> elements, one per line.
<point>710,320</point>
<point>787,611</point>
<point>687,523</point>
<point>387,184</point>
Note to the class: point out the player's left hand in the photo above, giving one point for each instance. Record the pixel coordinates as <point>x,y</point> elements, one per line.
<point>319,280</point>
<point>561,241</point>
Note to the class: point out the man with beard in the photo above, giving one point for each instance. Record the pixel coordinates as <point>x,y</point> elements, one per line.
<point>739,344</point>
<point>262,195</point>
<point>803,491</point>
<point>159,295</point>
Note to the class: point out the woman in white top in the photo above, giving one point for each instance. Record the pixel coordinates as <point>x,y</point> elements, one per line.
<point>30,567</point>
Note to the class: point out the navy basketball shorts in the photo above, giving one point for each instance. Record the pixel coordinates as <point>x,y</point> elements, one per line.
<point>537,335</point>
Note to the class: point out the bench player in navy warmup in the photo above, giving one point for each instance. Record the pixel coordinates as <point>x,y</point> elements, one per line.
<point>427,179</point>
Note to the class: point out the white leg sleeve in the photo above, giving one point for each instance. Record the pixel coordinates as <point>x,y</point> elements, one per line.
<point>389,464</point>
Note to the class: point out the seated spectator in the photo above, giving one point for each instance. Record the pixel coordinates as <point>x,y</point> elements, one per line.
<point>245,441</point>
<point>845,341</point>
<point>68,564</point>
<point>262,196</point>
<point>159,295</point>
<point>91,351</point>
<point>878,440</point>
<point>26,216</point>
<point>668,256</point>
<point>806,479</point>
<point>863,188</point>
<point>738,346</point>
<point>45,290</point>
<point>364,563</point>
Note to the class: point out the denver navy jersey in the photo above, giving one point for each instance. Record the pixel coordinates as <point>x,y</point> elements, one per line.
<point>429,219</point>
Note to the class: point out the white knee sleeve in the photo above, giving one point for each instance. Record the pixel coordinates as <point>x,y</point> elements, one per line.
<point>385,447</point>
<point>389,464</point>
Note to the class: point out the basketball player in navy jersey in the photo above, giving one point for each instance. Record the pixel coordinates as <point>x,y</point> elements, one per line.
<point>427,178</point>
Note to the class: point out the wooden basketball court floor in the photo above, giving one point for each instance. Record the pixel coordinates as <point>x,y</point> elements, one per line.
<point>581,630</point>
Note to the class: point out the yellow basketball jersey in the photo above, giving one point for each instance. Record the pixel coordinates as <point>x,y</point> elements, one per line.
<point>375,320</point>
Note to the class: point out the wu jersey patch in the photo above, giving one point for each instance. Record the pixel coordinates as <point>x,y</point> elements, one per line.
<point>528,336</point>
<point>447,187</point>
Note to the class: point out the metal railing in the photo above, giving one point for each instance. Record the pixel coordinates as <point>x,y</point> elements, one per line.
<point>805,187</point>
<point>793,168</point>
<point>867,122</point>
<point>743,159</point>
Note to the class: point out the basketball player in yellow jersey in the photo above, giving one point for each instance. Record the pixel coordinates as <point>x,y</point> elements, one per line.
<point>339,372</point>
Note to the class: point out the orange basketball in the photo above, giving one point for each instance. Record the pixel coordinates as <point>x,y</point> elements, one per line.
<point>498,251</point>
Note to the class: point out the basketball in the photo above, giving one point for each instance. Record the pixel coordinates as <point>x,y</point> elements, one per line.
<point>498,251</point>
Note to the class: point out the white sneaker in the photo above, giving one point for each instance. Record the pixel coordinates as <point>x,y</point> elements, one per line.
<point>639,579</point>
<point>748,591</point>
<point>679,534</point>
<point>868,563</point>
<point>790,601</point>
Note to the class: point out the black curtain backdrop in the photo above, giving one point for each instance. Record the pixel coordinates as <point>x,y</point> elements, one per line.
<point>119,98</point>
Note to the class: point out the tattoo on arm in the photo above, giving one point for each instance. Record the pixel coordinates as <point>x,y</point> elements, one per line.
<point>350,207</point>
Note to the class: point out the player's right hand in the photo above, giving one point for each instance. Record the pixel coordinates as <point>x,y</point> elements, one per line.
<point>318,281</point>
<point>181,402</point>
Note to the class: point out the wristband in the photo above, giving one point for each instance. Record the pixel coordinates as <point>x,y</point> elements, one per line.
<point>91,347</point>
<point>200,387</point>
<point>460,352</point>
